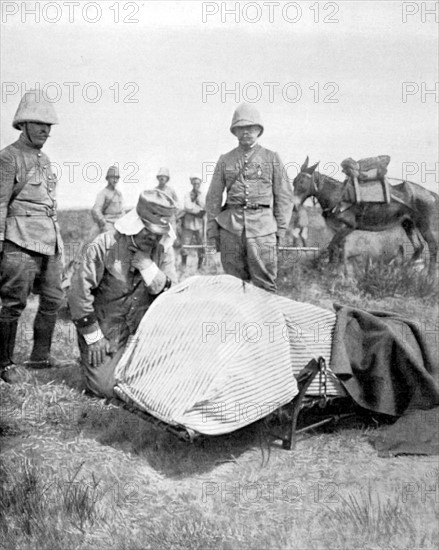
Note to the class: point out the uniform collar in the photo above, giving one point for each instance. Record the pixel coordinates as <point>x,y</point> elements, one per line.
<point>254,147</point>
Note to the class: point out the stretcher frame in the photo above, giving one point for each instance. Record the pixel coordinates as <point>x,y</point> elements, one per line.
<point>288,431</point>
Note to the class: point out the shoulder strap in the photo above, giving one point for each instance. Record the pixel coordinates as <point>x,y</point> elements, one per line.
<point>108,201</point>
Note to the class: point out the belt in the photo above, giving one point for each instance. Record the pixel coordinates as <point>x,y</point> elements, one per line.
<point>50,212</point>
<point>248,206</point>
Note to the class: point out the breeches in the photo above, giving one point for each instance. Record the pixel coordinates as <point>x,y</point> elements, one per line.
<point>190,236</point>
<point>250,258</point>
<point>24,271</point>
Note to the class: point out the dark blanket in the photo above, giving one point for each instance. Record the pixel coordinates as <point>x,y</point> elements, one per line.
<point>388,366</point>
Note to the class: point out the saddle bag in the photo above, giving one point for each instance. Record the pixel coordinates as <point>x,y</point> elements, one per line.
<point>369,178</point>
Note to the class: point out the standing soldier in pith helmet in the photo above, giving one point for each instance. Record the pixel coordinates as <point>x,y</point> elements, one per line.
<point>109,205</point>
<point>163,177</point>
<point>193,220</point>
<point>30,239</point>
<point>257,211</point>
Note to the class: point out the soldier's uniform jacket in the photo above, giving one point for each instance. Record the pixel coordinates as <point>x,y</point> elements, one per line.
<point>259,195</point>
<point>29,220</point>
<point>192,222</point>
<point>106,290</point>
<point>109,206</point>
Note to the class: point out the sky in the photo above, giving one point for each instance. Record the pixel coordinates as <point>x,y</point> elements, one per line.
<point>151,84</point>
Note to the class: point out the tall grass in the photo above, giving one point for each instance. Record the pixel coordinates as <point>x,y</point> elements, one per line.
<point>43,512</point>
<point>379,278</point>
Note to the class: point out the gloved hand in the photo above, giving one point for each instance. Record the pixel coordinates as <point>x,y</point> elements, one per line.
<point>97,352</point>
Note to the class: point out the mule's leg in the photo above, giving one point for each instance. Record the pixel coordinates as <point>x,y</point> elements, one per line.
<point>432,244</point>
<point>338,244</point>
<point>418,247</point>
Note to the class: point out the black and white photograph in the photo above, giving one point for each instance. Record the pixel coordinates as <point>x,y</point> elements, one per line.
<point>219,277</point>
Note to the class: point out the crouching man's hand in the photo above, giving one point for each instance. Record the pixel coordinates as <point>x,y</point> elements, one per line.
<point>98,346</point>
<point>97,351</point>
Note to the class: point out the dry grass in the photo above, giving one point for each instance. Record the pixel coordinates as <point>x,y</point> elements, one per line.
<point>79,472</point>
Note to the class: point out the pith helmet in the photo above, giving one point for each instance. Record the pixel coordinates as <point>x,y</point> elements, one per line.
<point>195,177</point>
<point>163,172</point>
<point>113,171</point>
<point>34,107</point>
<point>246,115</point>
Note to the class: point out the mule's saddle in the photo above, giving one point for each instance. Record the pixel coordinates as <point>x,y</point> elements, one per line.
<point>369,178</point>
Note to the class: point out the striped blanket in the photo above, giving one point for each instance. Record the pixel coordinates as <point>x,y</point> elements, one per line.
<point>214,354</point>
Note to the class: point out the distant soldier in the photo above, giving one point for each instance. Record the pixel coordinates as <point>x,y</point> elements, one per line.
<point>193,220</point>
<point>30,239</point>
<point>109,205</point>
<point>163,177</point>
<point>255,217</point>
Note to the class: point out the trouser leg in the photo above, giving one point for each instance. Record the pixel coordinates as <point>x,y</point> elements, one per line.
<point>48,285</point>
<point>18,270</point>
<point>234,254</point>
<point>262,261</point>
<point>186,239</point>
<point>198,238</point>
<point>8,333</point>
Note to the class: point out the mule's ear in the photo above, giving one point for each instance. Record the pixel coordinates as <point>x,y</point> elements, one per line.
<point>304,165</point>
<point>312,168</point>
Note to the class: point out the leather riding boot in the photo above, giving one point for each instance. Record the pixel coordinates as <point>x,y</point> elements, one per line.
<point>8,333</point>
<point>9,372</point>
<point>183,261</point>
<point>200,262</point>
<point>44,326</point>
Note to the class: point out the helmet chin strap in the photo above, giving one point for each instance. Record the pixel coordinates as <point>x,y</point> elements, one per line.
<point>26,133</point>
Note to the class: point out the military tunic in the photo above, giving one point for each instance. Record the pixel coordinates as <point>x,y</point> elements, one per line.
<point>109,207</point>
<point>32,256</point>
<point>108,293</point>
<point>30,219</point>
<point>256,213</point>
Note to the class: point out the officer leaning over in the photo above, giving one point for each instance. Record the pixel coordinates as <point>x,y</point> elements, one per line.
<point>30,238</point>
<point>120,275</point>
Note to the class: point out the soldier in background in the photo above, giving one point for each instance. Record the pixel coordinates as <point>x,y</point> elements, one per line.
<point>193,220</point>
<point>163,177</point>
<point>255,217</point>
<point>30,239</point>
<point>109,205</point>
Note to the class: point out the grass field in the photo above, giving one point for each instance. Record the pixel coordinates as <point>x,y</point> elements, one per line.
<point>77,472</point>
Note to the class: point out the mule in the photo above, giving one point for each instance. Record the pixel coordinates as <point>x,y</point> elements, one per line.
<point>411,206</point>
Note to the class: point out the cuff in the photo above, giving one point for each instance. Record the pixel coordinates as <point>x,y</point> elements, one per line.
<point>160,283</point>
<point>86,321</point>
<point>93,337</point>
<point>149,274</point>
